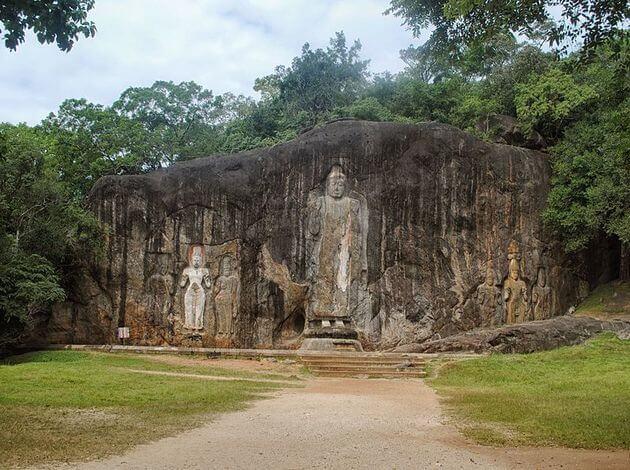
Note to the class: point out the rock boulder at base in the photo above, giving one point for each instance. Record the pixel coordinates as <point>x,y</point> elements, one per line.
<point>524,338</point>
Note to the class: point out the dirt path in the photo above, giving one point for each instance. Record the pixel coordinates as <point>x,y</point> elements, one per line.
<point>213,377</point>
<point>343,423</point>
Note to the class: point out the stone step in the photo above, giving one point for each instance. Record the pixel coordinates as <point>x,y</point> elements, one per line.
<point>393,374</point>
<point>362,368</point>
<point>364,361</point>
<point>362,354</point>
<point>364,365</point>
<point>372,354</point>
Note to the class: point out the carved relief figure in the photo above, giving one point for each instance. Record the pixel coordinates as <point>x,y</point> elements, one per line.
<point>336,247</point>
<point>160,288</point>
<point>226,296</point>
<point>197,278</point>
<point>489,299</point>
<point>515,295</point>
<point>541,296</point>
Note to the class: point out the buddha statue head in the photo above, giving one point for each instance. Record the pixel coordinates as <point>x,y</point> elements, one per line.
<point>514,270</point>
<point>336,182</point>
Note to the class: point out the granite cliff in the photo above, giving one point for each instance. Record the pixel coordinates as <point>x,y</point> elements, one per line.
<point>402,233</point>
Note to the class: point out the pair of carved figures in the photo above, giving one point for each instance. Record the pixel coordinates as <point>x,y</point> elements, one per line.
<point>511,304</point>
<point>224,291</point>
<point>336,247</point>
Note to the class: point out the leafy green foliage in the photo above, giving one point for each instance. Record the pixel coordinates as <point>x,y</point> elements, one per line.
<point>430,63</point>
<point>27,282</point>
<point>500,84</point>
<point>460,25</point>
<point>317,81</point>
<point>591,183</point>
<point>179,120</point>
<point>61,22</point>
<point>551,100</point>
<point>43,229</point>
<point>368,109</point>
<point>590,190</point>
<point>91,141</point>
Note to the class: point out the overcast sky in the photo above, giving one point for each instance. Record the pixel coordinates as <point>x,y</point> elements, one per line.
<point>222,45</point>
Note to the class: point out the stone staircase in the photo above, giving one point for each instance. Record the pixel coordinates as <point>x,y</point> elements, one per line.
<point>364,365</point>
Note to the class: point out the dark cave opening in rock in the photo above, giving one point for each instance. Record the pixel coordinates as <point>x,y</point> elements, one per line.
<point>291,329</point>
<point>298,322</point>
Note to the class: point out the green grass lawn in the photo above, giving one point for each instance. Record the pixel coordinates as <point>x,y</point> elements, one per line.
<point>574,396</point>
<point>68,405</point>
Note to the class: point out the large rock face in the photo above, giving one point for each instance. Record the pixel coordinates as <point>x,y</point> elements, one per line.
<point>412,232</point>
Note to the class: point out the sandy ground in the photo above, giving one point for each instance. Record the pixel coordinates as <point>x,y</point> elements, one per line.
<point>286,367</point>
<point>214,377</point>
<point>343,423</point>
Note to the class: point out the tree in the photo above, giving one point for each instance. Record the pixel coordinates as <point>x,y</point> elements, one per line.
<point>37,208</point>
<point>56,21</point>
<point>91,141</point>
<point>590,191</point>
<point>261,125</point>
<point>368,109</point>
<point>429,62</point>
<point>28,283</point>
<point>317,81</point>
<point>182,120</point>
<point>591,184</point>
<point>472,23</point>
<point>500,84</point>
<point>551,101</point>
<point>44,231</point>
<point>420,101</point>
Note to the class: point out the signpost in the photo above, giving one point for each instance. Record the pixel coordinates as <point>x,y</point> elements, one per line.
<point>123,333</point>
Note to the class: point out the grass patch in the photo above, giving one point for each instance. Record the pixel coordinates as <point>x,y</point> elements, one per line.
<point>575,396</point>
<point>607,301</point>
<point>69,405</point>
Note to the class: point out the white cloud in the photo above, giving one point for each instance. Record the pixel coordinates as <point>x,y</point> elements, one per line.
<point>223,46</point>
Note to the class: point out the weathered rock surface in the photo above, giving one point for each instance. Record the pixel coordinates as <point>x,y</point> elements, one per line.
<point>407,231</point>
<point>524,338</point>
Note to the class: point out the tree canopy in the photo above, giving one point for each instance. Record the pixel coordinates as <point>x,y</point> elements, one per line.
<point>44,230</point>
<point>52,21</point>
<point>318,80</point>
<point>461,25</point>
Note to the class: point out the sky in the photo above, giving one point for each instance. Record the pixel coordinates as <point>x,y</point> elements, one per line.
<point>223,45</point>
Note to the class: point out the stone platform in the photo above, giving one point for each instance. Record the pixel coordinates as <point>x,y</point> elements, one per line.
<point>248,353</point>
<point>320,363</point>
<point>365,365</point>
<point>180,350</point>
<point>331,334</point>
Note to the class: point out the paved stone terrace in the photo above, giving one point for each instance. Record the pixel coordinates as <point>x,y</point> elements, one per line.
<point>246,353</point>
